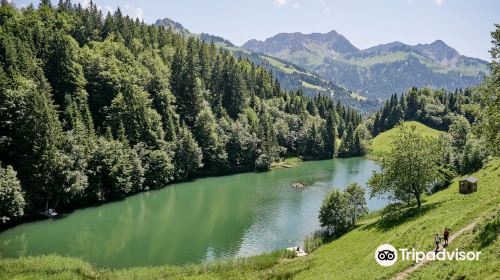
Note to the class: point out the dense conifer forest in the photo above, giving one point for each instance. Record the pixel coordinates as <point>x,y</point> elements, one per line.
<point>94,107</point>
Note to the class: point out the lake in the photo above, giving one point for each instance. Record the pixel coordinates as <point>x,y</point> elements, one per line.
<point>197,221</point>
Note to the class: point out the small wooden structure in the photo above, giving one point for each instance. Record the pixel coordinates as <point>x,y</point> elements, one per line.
<point>467,185</point>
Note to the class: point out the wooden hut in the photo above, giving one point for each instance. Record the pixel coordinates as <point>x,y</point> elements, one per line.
<point>468,185</point>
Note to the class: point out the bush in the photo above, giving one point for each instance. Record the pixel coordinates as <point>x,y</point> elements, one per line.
<point>315,240</point>
<point>263,162</point>
<point>12,201</point>
<point>334,213</point>
<point>340,210</point>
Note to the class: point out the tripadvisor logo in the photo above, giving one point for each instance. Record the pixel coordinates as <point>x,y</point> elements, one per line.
<point>387,255</point>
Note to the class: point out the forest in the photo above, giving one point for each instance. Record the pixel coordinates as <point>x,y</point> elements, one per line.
<point>95,107</point>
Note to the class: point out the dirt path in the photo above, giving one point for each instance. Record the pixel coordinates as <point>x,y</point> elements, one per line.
<point>406,272</point>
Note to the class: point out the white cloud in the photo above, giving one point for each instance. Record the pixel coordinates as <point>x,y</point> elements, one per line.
<point>134,12</point>
<point>439,2</point>
<point>281,2</point>
<point>296,5</point>
<point>326,10</point>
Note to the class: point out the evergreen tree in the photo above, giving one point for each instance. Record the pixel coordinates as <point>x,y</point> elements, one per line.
<point>330,136</point>
<point>205,131</point>
<point>188,155</point>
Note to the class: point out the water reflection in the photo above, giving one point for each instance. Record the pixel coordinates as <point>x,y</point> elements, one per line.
<point>206,219</point>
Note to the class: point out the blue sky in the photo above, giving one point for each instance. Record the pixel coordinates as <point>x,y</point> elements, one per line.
<point>462,24</point>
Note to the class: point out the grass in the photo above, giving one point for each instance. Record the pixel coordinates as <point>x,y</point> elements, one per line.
<point>291,161</point>
<point>311,86</point>
<point>348,257</point>
<point>282,66</point>
<point>382,143</point>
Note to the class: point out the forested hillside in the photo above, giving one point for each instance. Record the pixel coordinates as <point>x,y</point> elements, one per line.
<point>458,113</point>
<point>94,107</point>
<point>290,76</point>
<point>435,108</point>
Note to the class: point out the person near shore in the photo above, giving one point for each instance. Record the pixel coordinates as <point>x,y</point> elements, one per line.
<point>437,240</point>
<point>446,234</point>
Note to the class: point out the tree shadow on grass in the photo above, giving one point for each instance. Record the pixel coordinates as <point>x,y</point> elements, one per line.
<point>489,233</point>
<point>394,217</point>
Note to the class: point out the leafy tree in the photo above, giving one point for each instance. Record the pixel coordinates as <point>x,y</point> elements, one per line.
<point>12,201</point>
<point>158,167</point>
<point>205,131</point>
<point>408,169</point>
<point>115,170</point>
<point>334,213</point>
<point>475,153</point>
<point>35,135</point>
<point>242,146</point>
<point>188,155</point>
<point>132,110</point>
<point>459,129</point>
<point>490,92</point>
<point>357,202</point>
<point>62,70</point>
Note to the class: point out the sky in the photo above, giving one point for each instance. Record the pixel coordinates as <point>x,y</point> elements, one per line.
<point>463,24</point>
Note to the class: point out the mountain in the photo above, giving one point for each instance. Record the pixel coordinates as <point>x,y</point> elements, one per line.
<point>379,71</point>
<point>290,75</point>
<point>179,28</point>
<point>168,23</point>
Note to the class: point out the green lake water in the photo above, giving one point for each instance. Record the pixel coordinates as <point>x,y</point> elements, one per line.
<point>193,222</point>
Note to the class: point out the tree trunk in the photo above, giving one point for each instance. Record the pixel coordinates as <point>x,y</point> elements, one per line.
<point>417,196</point>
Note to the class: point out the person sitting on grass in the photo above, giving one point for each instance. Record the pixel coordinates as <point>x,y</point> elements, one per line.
<point>437,240</point>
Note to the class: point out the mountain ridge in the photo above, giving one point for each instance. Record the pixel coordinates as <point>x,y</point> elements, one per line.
<point>334,57</point>
<point>291,75</point>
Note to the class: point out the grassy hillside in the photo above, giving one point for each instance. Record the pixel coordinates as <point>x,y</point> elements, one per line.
<point>382,143</point>
<point>349,257</point>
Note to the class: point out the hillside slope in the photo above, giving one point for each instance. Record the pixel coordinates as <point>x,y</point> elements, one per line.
<point>349,257</point>
<point>381,144</point>
<point>290,75</point>
<point>379,71</point>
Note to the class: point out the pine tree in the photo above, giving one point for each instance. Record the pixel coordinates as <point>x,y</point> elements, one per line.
<point>205,132</point>
<point>330,136</point>
<point>188,155</point>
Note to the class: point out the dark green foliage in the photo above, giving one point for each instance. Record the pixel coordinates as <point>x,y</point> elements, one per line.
<point>409,169</point>
<point>490,98</point>
<point>11,196</point>
<point>188,155</point>
<point>158,167</point>
<point>356,195</point>
<point>94,108</point>
<point>341,209</point>
<point>115,170</point>
<point>334,213</point>
<point>462,113</point>
<point>435,108</point>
